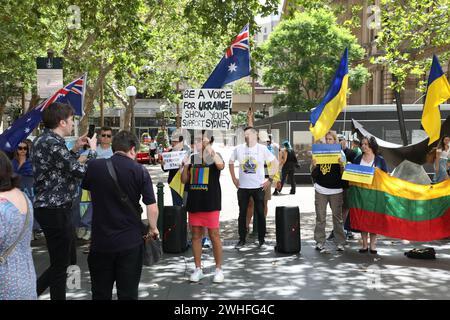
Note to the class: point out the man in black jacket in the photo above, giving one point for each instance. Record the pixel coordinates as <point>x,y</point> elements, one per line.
<point>117,245</point>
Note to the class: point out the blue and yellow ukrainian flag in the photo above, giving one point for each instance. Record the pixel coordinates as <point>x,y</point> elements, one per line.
<point>437,92</point>
<point>177,185</point>
<point>324,115</point>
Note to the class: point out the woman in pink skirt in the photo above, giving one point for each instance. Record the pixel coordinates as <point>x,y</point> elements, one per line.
<point>204,202</point>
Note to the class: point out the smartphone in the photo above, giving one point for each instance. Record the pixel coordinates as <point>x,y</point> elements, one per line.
<point>91,131</point>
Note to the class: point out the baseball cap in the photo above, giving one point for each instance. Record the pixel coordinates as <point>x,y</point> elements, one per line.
<point>340,137</point>
<point>176,136</point>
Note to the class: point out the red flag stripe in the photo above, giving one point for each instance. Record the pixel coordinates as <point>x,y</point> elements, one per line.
<point>394,227</point>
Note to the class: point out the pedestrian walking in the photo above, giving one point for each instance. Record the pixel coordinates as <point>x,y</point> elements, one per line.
<point>288,163</point>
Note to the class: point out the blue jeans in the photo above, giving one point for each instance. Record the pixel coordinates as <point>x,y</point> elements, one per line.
<point>86,219</point>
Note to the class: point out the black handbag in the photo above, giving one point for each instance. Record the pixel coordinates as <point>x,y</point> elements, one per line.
<point>152,251</point>
<point>425,253</point>
<point>152,247</point>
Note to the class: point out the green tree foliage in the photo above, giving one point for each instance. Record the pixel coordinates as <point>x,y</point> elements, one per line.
<point>152,44</point>
<point>239,119</point>
<point>302,56</point>
<point>411,32</point>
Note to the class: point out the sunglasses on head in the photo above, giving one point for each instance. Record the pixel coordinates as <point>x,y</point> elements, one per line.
<point>22,148</point>
<point>106,135</point>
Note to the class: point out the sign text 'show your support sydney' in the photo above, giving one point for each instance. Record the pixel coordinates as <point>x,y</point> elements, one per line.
<point>207,109</point>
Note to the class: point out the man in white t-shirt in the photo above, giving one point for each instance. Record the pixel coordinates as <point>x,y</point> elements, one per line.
<point>252,183</point>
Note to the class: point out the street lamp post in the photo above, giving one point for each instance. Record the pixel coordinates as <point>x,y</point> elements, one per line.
<point>131,93</point>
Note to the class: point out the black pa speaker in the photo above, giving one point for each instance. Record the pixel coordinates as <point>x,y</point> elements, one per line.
<point>174,236</point>
<point>287,223</point>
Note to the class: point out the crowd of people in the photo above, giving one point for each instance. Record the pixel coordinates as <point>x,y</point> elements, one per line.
<point>58,176</point>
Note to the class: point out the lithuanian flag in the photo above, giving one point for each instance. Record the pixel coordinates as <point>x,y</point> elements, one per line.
<point>400,209</point>
<point>324,115</point>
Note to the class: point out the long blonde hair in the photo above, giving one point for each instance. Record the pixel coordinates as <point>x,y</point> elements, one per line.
<point>334,135</point>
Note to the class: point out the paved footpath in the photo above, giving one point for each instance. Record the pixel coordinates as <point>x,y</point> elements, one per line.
<point>262,274</point>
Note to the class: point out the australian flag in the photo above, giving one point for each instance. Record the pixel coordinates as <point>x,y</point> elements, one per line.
<point>234,65</point>
<point>72,94</point>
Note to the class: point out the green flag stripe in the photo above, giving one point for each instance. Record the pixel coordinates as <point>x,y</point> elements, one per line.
<point>412,210</point>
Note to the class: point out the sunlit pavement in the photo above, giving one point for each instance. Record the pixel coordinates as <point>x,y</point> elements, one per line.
<point>260,274</point>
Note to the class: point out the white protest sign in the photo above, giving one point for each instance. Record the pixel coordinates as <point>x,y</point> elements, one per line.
<point>172,160</point>
<point>208,109</point>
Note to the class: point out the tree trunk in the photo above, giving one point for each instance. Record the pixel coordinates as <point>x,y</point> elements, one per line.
<point>2,109</point>
<point>91,95</point>
<point>127,118</point>
<point>401,118</point>
<point>89,98</point>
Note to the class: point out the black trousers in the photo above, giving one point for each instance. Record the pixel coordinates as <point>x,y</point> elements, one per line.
<point>122,267</point>
<point>285,173</point>
<point>258,199</point>
<point>60,236</point>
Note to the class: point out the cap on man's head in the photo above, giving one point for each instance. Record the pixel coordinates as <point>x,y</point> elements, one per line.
<point>176,136</point>
<point>340,137</point>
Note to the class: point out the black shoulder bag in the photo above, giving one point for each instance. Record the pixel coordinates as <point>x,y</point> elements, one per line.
<point>152,247</point>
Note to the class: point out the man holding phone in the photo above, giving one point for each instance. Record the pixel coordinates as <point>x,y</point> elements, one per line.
<point>58,173</point>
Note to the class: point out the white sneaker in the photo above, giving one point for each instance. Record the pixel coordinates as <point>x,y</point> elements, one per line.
<point>87,235</point>
<point>218,276</point>
<point>197,275</point>
<point>81,232</point>
<point>340,247</point>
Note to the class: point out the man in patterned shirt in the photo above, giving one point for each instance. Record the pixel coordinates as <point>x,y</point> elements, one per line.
<point>58,174</point>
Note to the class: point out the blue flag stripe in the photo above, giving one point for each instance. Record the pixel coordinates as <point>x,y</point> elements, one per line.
<point>436,71</point>
<point>232,68</point>
<point>333,90</point>
<point>24,126</point>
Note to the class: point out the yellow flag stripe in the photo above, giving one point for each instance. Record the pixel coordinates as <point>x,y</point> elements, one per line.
<point>331,112</point>
<point>405,189</point>
<point>438,92</point>
<point>176,184</point>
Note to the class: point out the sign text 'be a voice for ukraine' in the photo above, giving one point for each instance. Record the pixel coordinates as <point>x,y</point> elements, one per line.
<point>208,109</point>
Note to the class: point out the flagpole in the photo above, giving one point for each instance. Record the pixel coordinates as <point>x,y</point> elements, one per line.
<point>77,133</point>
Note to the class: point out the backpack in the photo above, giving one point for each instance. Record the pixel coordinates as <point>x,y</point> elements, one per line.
<point>425,253</point>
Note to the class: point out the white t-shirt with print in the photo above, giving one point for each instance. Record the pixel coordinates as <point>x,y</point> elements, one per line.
<point>251,164</point>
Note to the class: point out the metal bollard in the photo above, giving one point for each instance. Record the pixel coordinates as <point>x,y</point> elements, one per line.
<point>160,193</point>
